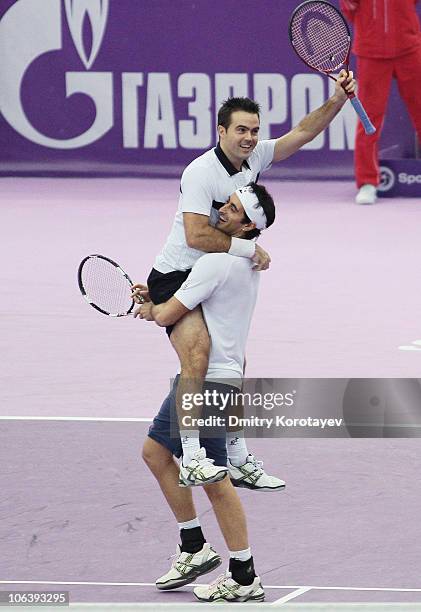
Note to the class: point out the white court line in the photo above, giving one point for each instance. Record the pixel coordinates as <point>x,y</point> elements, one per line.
<point>70,418</point>
<point>414,346</point>
<point>150,419</point>
<point>265,604</point>
<point>409,348</point>
<point>290,596</point>
<point>147,584</point>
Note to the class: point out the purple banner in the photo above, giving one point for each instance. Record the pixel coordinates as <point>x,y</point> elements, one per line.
<point>132,88</point>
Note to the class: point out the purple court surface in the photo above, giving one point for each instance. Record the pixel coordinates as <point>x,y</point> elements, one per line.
<point>78,509</point>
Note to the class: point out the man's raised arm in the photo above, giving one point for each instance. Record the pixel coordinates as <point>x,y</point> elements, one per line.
<point>316,121</point>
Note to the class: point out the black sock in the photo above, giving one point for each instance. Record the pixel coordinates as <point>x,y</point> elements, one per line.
<point>242,571</point>
<point>192,540</point>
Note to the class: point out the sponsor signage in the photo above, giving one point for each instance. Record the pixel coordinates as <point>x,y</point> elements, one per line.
<point>400,178</point>
<point>123,87</point>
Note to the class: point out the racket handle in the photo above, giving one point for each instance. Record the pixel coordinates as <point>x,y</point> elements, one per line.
<point>360,110</point>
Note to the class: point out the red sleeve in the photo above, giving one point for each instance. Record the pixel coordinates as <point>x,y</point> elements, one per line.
<point>349,8</point>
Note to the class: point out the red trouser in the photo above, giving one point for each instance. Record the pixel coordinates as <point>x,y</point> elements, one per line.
<point>374,80</point>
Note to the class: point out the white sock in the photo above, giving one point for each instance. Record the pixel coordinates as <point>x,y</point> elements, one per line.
<point>190,443</point>
<point>241,555</point>
<point>189,524</point>
<point>237,447</point>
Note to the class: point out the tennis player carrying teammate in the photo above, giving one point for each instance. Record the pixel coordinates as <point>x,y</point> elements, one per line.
<point>206,183</point>
<point>226,287</point>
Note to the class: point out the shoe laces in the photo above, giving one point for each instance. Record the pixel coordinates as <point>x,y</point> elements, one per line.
<point>258,464</point>
<point>200,459</point>
<point>205,460</point>
<point>174,559</point>
<point>214,586</point>
<point>175,556</point>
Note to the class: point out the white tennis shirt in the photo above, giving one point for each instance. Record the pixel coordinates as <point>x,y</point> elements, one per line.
<point>226,287</point>
<point>210,178</point>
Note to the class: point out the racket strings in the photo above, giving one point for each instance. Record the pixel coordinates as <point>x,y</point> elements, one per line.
<point>106,286</point>
<point>320,36</point>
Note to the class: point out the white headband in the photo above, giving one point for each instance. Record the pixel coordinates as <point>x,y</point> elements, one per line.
<point>249,200</point>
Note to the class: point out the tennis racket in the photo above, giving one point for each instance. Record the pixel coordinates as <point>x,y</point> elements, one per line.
<point>105,286</point>
<point>322,40</point>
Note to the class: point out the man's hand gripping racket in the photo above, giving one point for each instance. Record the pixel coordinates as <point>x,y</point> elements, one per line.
<point>141,296</point>
<point>322,40</point>
<point>107,288</point>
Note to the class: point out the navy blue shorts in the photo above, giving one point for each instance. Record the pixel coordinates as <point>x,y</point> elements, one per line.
<point>165,431</point>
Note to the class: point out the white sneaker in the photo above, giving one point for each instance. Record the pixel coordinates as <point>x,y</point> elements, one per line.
<point>200,471</point>
<point>367,194</point>
<point>250,475</point>
<point>226,589</point>
<point>186,567</point>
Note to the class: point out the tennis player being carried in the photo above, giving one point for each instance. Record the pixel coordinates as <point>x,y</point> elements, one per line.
<point>226,287</point>
<point>206,183</point>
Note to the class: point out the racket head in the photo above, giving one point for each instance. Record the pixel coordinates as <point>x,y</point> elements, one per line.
<point>105,286</point>
<point>320,35</point>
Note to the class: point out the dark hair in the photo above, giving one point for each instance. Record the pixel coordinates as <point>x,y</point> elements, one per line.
<point>268,205</point>
<point>231,105</point>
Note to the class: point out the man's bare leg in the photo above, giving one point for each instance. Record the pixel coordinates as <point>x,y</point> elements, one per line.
<point>229,513</point>
<point>196,557</point>
<point>165,469</point>
<point>191,342</point>
<point>190,339</point>
<point>243,585</point>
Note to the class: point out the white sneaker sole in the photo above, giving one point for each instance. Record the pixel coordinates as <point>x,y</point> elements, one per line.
<point>366,202</point>
<point>205,568</point>
<point>187,483</point>
<point>260,597</point>
<point>243,485</point>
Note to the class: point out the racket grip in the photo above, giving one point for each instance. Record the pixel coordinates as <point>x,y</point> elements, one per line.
<point>359,109</point>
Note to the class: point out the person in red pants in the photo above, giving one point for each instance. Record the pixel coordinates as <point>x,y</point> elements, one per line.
<point>387,45</point>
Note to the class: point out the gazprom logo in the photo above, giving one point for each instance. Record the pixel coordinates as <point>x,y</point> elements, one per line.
<point>93,13</point>
<point>33,28</point>
<point>146,109</point>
